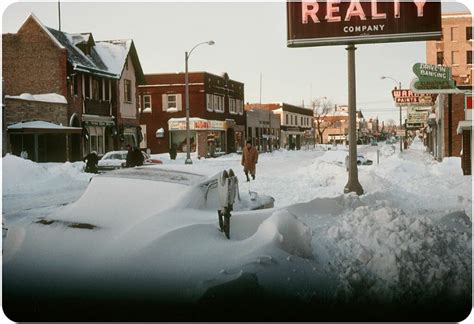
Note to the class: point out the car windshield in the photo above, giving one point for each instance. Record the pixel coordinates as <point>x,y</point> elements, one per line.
<point>115,156</point>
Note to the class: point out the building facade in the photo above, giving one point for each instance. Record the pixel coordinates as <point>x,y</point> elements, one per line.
<point>450,125</point>
<point>217,120</point>
<point>98,80</point>
<point>295,123</point>
<point>263,128</point>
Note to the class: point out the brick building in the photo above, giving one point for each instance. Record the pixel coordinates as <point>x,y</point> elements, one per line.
<point>452,119</point>
<point>295,123</point>
<point>98,80</point>
<point>217,119</point>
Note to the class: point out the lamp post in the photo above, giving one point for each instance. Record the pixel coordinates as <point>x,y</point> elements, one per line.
<point>399,84</point>
<point>186,95</point>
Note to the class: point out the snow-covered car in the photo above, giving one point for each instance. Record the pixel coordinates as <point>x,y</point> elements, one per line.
<point>121,215</point>
<point>116,160</point>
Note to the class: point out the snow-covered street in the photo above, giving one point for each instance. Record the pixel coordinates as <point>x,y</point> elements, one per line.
<point>408,238</point>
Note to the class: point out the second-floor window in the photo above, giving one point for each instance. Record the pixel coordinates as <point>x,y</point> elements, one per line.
<point>106,90</point>
<point>469,33</point>
<point>218,103</point>
<point>127,90</point>
<point>287,121</point>
<point>209,102</point>
<point>239,106</point>
<point>232,106</point>
<point>146,101</point>
<point>171,102</point>
<point>96,95</point>
<point>439,58</point>
<point>454,34</point>
<point>469,57</point>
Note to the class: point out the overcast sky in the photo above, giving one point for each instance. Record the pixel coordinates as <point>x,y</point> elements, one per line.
<point>250,39</point>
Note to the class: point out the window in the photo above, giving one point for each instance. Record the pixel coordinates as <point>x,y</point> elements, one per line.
<point>146,101</point>
<point>239,106</point>
<point>75,85</point>
<point>218,103</point>
<point>454,34</point>
<point>469,57</point>
<point>171,101</point>
<point>301,120</point>
<point>209,103</point>
<point>139,102</point>
<point>95,89</point>
<point>469,33</point>
<point>286,119</point>
<point>440,58</point>
<point>87,87</point>
<point>127,90</point>
<point>454,57</point>
<point>232,106</point>
<point>107,90</point>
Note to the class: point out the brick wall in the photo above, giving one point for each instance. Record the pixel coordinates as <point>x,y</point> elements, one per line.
<point>466,152</point>
<point>23,110</point>
<point>32,62</point>
<point>457,114</point>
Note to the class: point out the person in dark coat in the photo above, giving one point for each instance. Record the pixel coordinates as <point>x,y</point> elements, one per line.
<point>249,160</point>
<point>173,152</point>
<point>91,160</point>
<point>134,157</point>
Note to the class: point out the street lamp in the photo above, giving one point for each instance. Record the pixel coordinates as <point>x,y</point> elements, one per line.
<point>399,84</point>
<point>186,95</point>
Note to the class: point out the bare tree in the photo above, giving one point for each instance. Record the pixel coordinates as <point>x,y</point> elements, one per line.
<point>321,109</point>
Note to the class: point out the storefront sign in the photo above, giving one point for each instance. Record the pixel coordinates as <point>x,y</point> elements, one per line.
<point>197,125</point>
<point>408,97</point>
<point>321,23</point>
<point>432,78</point>
<point>417,117</point>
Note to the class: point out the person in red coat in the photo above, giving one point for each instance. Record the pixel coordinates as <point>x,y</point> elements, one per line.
<point>249,160</point>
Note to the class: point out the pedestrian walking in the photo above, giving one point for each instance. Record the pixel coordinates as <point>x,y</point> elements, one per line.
<point>92,160</point>
<point>249,160</point>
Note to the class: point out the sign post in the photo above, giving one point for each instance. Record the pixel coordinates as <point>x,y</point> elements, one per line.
<point>322,23</point>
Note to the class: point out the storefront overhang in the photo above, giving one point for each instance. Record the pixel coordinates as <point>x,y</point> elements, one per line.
<point>195,124</point>
<point>464,125</point>
<point>95,120</point>
<point>41,127</point>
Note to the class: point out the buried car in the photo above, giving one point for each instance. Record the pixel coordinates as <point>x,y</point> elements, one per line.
<point>116,160</point>
<point>91,246</point>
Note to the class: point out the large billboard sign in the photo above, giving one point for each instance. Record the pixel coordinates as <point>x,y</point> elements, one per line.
<point>336,22</point>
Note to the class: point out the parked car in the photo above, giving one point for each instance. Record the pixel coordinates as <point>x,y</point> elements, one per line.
<point>116,160</point>
<point>122,215</point>
<point>361,160</point>
<point>374,143</point>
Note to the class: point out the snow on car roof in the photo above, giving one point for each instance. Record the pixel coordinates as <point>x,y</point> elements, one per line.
<point>156,174</point>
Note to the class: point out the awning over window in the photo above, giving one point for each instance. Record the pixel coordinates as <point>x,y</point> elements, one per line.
<point>42,127</point>
<point>464,124</point>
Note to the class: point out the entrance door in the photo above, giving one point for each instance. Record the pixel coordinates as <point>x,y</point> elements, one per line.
<point>230,140</point>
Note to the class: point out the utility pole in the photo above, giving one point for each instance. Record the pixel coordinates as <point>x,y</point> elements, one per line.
<point>59,14</point>
<point>353,184</point>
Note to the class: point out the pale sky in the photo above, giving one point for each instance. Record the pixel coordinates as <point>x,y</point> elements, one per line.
<point>250,39</point>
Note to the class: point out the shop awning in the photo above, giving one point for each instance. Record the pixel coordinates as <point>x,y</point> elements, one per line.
<point>42,127</point>
<point>464,124</point>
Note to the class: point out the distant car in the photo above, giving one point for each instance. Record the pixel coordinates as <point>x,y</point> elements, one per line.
<point>116,160</point>
<point>361,160</point>
<point>374,143</point>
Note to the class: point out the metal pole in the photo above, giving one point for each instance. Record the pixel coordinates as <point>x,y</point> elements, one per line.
<point>353,184</point>
<point>186,95</point>
<point>59,14</point>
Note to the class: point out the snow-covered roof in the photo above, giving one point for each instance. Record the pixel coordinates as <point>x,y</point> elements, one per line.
<point>44,97</point>
<point>40,124</point>
<point>114,53</point>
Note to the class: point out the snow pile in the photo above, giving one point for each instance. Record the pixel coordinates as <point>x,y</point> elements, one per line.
<point>44,97</point>
<point>287,233</point>
<point>21,175</point>
<point>384,253</point>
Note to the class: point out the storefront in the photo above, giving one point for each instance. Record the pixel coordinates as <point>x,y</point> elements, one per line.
<point>98,134</point>
<point>292,138</point>
<point>208,138</point>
